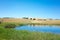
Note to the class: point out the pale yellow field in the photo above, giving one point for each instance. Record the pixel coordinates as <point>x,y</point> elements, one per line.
<point>20,20</point>
<point>47,22</point>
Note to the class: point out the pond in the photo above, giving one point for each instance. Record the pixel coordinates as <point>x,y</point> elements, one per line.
<point>40,28</point>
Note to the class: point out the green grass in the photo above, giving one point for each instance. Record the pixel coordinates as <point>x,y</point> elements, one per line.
<point>12,34</point>
<point>7,23</point>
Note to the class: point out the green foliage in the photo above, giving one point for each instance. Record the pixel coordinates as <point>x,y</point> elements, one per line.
<point>31,18</point>
<point>0,22</point>
<point>10,26</point>
<point>34,19</point>
<point>25,18</point>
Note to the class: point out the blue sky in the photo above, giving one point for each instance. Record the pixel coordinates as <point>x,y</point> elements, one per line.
<point>30,8</point>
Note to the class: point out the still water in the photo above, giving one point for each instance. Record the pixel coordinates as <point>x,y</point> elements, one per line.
<point>40,28</point>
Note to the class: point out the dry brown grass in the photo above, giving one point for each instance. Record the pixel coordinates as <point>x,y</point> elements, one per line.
<point>16,20</point>
<point>19,20</point>
<point>47,21</point>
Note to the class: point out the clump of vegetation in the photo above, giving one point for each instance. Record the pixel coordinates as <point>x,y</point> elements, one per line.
<point>10,26</point>
<point>22,24</point>
<point>31,18</point>
<point>0,22</point>
<point>34,19</point>
<point>25,18</point>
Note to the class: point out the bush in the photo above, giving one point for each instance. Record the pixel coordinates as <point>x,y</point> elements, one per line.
<point>34,19</point>
<point>10,26</point>
<point>25,18</point>
<point>0,22</point>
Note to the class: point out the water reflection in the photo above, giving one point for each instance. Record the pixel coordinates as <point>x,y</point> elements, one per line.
<point>40,28</point>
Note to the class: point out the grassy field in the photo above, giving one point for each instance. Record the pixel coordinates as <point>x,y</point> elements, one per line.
<point>28,21</point>
<point>11,34</point>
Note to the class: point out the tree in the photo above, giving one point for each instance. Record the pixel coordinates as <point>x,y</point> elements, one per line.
<point>30,18</point>
<point>25,17</point>
<point>34,19</point>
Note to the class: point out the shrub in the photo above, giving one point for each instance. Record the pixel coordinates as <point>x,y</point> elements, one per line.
<point>34,19</point>
<point>0,22</point>
<point>30,18</point>
<point>25,18</point>
<point>10,26</point>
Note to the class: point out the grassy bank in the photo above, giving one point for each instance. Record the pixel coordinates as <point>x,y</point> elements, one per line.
<point>11,34</point>
<point>16,24</point>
